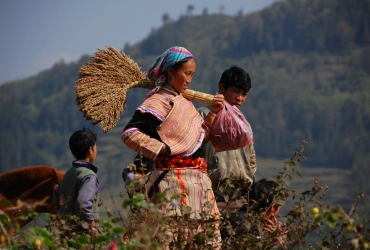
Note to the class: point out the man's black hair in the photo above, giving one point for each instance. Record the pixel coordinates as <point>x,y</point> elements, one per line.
<point>81,141</point>
<point>237,77</point>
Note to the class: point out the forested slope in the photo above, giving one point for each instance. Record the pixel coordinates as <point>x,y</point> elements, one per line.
<point>310,69</point>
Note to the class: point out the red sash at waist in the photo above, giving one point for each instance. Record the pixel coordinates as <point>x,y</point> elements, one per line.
<point>165,162</point>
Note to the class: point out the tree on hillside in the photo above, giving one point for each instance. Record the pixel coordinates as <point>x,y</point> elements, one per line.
<point>239,15</point>
<point>166,18</point>
<point>205,12</point>
<point>221,8</point>
<point>190,9</point>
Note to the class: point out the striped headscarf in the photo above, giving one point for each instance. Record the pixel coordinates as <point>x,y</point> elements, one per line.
<point>157,72</point>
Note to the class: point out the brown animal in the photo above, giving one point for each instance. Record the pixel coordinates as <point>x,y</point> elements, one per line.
<point>29,187</point>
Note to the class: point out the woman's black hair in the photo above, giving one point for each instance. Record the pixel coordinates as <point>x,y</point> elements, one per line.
<point>179,64</point>
<point>262,193</point>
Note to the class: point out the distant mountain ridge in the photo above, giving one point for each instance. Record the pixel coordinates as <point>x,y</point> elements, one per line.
<point>310,69</point>
<point>292,25</point>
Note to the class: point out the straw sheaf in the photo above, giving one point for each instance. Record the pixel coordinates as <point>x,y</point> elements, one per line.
<point>103,84</point>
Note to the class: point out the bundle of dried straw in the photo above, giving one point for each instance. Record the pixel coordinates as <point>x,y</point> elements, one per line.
<point>103,83</point>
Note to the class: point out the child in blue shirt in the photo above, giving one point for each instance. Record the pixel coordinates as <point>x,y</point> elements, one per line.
<point>78,193</point>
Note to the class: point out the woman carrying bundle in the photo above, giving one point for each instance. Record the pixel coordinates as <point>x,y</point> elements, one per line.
<point>167,128</point>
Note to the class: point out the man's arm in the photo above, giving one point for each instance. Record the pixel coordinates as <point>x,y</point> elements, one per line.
<point>253,160</point>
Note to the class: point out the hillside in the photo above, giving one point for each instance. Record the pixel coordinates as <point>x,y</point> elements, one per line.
<point>310,70</point>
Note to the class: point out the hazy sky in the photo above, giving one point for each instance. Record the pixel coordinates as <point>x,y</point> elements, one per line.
<point>34,34</point>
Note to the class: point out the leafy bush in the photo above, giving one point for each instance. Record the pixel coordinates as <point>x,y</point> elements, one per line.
<point>146,227</point>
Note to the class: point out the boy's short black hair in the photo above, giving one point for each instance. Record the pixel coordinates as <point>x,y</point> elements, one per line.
<point>263,193</point>
<point>237,77</point>
<point>81,141</point>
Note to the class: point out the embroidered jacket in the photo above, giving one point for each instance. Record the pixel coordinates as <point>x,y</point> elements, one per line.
<point>167,117</point>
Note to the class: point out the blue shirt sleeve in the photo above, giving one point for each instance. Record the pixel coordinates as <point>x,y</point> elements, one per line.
<point>86,197</point>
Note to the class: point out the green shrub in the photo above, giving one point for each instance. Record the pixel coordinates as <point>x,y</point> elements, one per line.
<point>147,228</point>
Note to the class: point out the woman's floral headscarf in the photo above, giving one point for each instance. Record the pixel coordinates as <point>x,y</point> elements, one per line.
<point>157,72</point>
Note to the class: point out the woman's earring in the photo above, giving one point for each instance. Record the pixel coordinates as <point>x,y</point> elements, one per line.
<point>171,79</point>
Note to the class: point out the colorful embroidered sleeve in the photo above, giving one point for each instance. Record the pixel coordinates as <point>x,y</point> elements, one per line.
<point>209,121</point>
<point>141,136</point>
<point>141,143</point>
